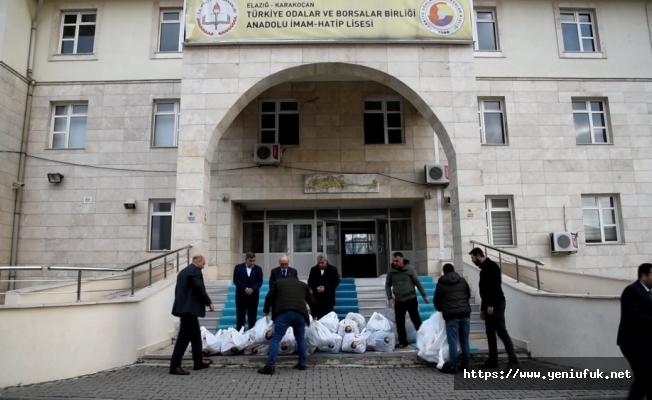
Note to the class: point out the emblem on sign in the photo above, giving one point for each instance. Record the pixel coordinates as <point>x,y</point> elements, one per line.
<point>442,17</point>
<point>217,17</point>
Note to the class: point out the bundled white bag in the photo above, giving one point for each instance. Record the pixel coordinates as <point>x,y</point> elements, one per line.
<point>347,326</point>
<point>256,349</point>
<point>317,334</point>
<point>330,321</point>
<point>288,343</point>
<point>354,343</point>
<point>410,330</point>
<point>358,319</point>
<point>432,341</point>
<point>204,345</point>
<point>213,343</point>
<point>381,341</point>
<point>332,344</point>
<point>262,331</point>
<point>233,342</point>
<point>378,322</point>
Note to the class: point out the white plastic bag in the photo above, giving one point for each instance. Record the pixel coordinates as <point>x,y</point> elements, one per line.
<point>288,343</point>
<point>354,343</point>
<point>262,331</point>
<point>332,344</point>
<point>330,321</point>
<point>432,341</point>
<point>317,334</point>
<point>213,343</point>
<point>256,349</point>
<point>410,330</point>
<point>204,345</point>
<point>377,322</point>
<point>347,326</point>
<point>233,342</point>
<point>381,341</point>
<point>358,319</point>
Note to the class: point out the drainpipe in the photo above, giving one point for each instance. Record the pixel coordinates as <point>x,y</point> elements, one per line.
<point>440,212</point>
<point>23,146</point>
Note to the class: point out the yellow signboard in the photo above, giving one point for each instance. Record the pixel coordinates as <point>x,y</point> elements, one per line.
<point>215,21</point>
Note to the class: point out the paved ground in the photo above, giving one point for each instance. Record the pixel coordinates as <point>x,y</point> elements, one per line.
<point>149,381</point>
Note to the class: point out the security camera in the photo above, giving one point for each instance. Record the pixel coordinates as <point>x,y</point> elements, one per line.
<point>17,185</point>
<point>130,204</point>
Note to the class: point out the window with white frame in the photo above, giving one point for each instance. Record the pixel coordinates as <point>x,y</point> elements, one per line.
<point>491,115</point>
<point>279,122</point>
<point>69,126</point>
<point>78,32</point>
<point>166,123</point>
<point>600,218</point>
<point>383,121</point>
<point>590,117</point>
<point>500,221</point>
<point>161,224</point>
<point>170,32</point>
<point>579,31</point>
<point>486,28</point>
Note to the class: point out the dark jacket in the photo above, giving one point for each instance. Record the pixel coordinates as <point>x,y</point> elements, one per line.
<point>491,281</point>
<point>452,297</point>
<point>242,281</point>
<point>190,295</point>
<point>635,318</point>
<point>330,280</point>
<point>290,295</point>
<point>402,282</point>
<point>277,274</point>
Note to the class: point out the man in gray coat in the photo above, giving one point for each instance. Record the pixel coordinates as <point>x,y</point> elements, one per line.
<point>401,280</point>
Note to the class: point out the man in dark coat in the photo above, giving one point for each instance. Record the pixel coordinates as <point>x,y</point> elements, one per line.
<point>282,271</point>
<point>287,298</point>
<point>323,280</point>
<point>190,302</point>
<point>247,278</point>
<point>635,332</point>
<point>492,309</point>
<point>452,299</point>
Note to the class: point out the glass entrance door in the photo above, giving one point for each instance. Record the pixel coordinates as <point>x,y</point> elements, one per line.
<point>297,240</point>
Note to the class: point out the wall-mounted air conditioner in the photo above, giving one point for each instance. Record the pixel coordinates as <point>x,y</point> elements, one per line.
<point>267,153</point>
<point>436,174</point>
<point>564,242</point>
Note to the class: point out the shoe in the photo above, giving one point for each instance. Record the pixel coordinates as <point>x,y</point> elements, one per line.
<point>513,364</point>
<point>205,364</point>
<point>266,370</point>
<point>490,364</point>
<point>402,345</point>
<point>179,371</point>
<point>300,367</point>
<point>446,369</point>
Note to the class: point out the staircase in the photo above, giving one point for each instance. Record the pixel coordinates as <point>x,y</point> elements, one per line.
<point>217,291</point>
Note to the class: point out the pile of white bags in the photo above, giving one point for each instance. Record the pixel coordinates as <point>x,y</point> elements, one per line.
<point>232,341</point>
<point>347,326</point>
<point>262,331</point>
<point>432,341</point>
<point>378,322</point>
<point>330,321</point>
<point>358,319</point>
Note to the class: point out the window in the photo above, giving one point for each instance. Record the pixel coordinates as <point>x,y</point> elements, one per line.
<point>279,122</point>
<point>590,117</point>
<point>359,243</point>
<point>500,222</point>
<point>486,30</point>
<point>578,31</point>
<point>166,123</point>
<point>253,234</point>
<point>170,31</point>
<point>491,115</point>
<point>69,126</point>
<point>161,224</point>
<point>78,33</point>
<point>383,121</point>
<point>600,218</point>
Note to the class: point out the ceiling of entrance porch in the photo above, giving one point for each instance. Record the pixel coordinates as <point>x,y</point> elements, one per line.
<point>327,203</point>
<point>328,78</point>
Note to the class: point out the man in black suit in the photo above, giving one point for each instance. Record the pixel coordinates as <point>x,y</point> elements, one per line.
<point>635,332</point>
<point>247,278</point>
<point>323,280</point>
<point>190,302</point>
<point>492,308</point>
<point>282,271</point>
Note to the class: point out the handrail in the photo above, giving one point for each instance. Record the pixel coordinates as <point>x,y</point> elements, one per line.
<point>516,256</point>
<point>55,268</point>
<point>25,268</point>
<point>159,256</point>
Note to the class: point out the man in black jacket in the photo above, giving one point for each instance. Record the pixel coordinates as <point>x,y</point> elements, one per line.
<point>492,309</point>
<point>190,302</point>
<point>248,279</point>
<point>287,298</point>
<point>282,271</point>
<point>323,280</point>
<point>452,299</point>
<point>635,331</point>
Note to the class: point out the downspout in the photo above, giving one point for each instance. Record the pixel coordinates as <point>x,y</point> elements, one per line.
<point>23,147</point>
<point>440,212</point>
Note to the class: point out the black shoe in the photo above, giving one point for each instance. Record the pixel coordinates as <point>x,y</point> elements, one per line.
<point>513,364</point>
<point>266,370</point>
<point>446,369</point>
<point>205,364</point>
<point>300,367</point>
<point>490,364</point>
<point>179,371</point>
<point>402,345</point>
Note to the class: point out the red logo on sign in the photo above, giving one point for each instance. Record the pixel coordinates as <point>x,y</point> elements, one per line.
<point>446,172</point>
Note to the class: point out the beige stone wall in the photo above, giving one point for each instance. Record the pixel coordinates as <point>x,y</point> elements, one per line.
<point>13,95</point>
<point>57,227</point>
<point>544,169</point>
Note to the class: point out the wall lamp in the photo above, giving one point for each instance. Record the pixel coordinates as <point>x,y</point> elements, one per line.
<point>55,177</point>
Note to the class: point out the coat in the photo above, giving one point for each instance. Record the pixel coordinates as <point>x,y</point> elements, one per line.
<point>190,295</point>
<point>402,282</point>
<point>491,280</point>
<point>330,280</point>
<point>242,281</point>
<point>452,297</point>
<point>290,295</point>
<point>635,327</point>
<point>277,274</point>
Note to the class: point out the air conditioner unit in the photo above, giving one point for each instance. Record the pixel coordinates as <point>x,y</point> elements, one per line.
<point>437,174</point>
<point>267,153</point>
<point>564,242</point>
